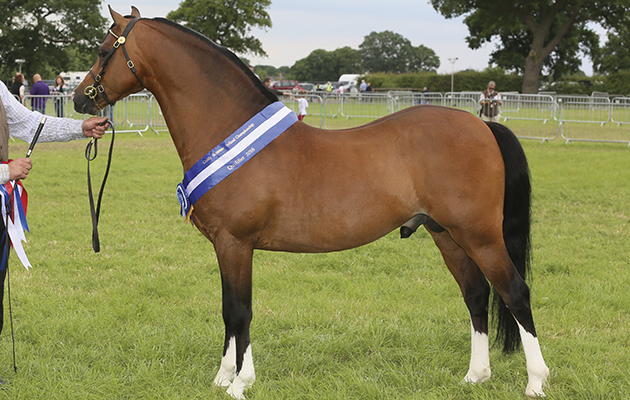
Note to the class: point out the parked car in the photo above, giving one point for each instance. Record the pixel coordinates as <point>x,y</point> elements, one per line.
<point>309,87</point>
<point>285,85</point>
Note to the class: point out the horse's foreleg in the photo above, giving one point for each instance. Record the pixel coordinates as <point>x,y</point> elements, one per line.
<point>237,365</point>
<point>476,292</point>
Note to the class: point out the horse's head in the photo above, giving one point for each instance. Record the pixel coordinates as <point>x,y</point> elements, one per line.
<point>113,75</point>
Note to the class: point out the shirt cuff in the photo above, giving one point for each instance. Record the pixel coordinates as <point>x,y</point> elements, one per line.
<point>5,174</point>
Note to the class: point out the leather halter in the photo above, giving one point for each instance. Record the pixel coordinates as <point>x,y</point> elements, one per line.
<point>96,87</point>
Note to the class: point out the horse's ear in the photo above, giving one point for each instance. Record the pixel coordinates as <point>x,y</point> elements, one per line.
<point>135,12</point>
<point>118,19</point>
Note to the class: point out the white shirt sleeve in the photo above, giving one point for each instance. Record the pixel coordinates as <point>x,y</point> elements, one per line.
<point>23,122</point>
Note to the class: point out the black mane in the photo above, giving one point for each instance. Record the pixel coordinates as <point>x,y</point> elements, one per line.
<point>227,53</point>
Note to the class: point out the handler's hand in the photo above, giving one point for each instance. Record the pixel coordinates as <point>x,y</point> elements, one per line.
<point>95,127</point>
<point>19,168</point>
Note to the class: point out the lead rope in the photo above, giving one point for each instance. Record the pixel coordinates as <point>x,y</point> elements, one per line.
<point>96,212</point>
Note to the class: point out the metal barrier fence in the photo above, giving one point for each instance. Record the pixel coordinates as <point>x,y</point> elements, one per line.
<point>530,116</point>
<point>595,119</point>
<point>541,117</point>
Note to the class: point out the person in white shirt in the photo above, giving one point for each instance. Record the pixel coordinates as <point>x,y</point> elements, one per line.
<point>302,106</point>
<point>21,123</point>
<point>18,121</point>
<point>490,101</point>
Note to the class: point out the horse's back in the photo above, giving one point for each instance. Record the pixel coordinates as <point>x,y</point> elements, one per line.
<point>420,149</point>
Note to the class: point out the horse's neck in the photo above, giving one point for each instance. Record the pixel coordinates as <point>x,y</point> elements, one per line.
<point>203,95</point>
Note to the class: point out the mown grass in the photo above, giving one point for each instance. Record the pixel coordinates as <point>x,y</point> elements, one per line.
<point>141,319</point>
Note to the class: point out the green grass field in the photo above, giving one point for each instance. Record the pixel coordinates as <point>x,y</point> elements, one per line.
<point>141,319</point>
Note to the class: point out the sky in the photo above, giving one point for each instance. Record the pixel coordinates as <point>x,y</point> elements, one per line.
<point>302,26</point>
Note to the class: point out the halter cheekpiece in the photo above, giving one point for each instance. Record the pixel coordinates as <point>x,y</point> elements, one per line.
<point>96,87</point>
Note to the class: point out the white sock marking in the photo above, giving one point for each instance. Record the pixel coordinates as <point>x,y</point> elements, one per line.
<point>227,371</point>
<point>479,370</point>
<point>537,370</point>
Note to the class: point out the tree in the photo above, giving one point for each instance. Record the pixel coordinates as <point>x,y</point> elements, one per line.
<point>422,58</point>
<point>563,60</point>
<point>347,61</point>
<point>391,52</point>
<point>535,29</point>
<point>40,32</point>
<point>615,55</point>
<point>322,65</point>
<point>227,23</point>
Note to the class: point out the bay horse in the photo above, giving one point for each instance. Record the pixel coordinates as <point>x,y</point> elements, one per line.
<point>313,190</point>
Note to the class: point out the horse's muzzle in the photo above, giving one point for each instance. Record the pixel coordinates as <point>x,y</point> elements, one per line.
<point>84,105</point>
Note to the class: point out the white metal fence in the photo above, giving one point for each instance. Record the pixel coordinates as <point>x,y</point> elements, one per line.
<point>544,116</point>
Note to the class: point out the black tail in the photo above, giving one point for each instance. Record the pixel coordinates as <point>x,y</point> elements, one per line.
<point>516,227</point>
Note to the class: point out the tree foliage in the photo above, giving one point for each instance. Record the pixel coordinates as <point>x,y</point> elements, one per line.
<point>615,55</point>
<point>541,33</point>
<point>41,31</point>
<point>322,65</point>
<point>227,23</point>
<point>391,52</point>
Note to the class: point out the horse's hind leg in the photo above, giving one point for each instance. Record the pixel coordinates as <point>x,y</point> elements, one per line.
<point>494,262</point>
<point>476,292</point>
<point>237,365</point>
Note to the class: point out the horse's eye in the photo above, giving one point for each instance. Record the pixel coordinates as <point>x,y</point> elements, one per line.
<point>102,53</point>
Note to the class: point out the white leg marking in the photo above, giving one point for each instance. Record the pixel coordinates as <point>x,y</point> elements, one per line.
<point>245,378</point>
<point>537,370</point>
<point>228,365</point>
<point>479,370</point>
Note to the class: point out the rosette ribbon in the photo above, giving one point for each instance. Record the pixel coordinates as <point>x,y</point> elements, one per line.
<point>14,202</point>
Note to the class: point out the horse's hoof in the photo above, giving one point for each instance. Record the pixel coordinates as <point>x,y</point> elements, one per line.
<point>238,387</point>
<point>476,378</point>
<point>224,377</point>
<point>536,384</point>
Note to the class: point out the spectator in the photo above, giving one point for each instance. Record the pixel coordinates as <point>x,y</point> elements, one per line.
<point>363,86</point>
<point>302,106</point>
<point>368,89</point>
<point>17,88</point>
<point>424,99</point>
<point>490,101</point>
<point>59,90</point>
<point>39,90</point>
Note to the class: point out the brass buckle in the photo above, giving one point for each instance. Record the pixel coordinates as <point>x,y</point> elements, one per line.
<point>90,92</point>
<point>121,40</point>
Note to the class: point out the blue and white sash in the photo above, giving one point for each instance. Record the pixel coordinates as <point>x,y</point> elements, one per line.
<point>235,151</point>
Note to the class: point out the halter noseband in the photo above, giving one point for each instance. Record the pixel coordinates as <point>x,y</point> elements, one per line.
<point>96,87</point>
